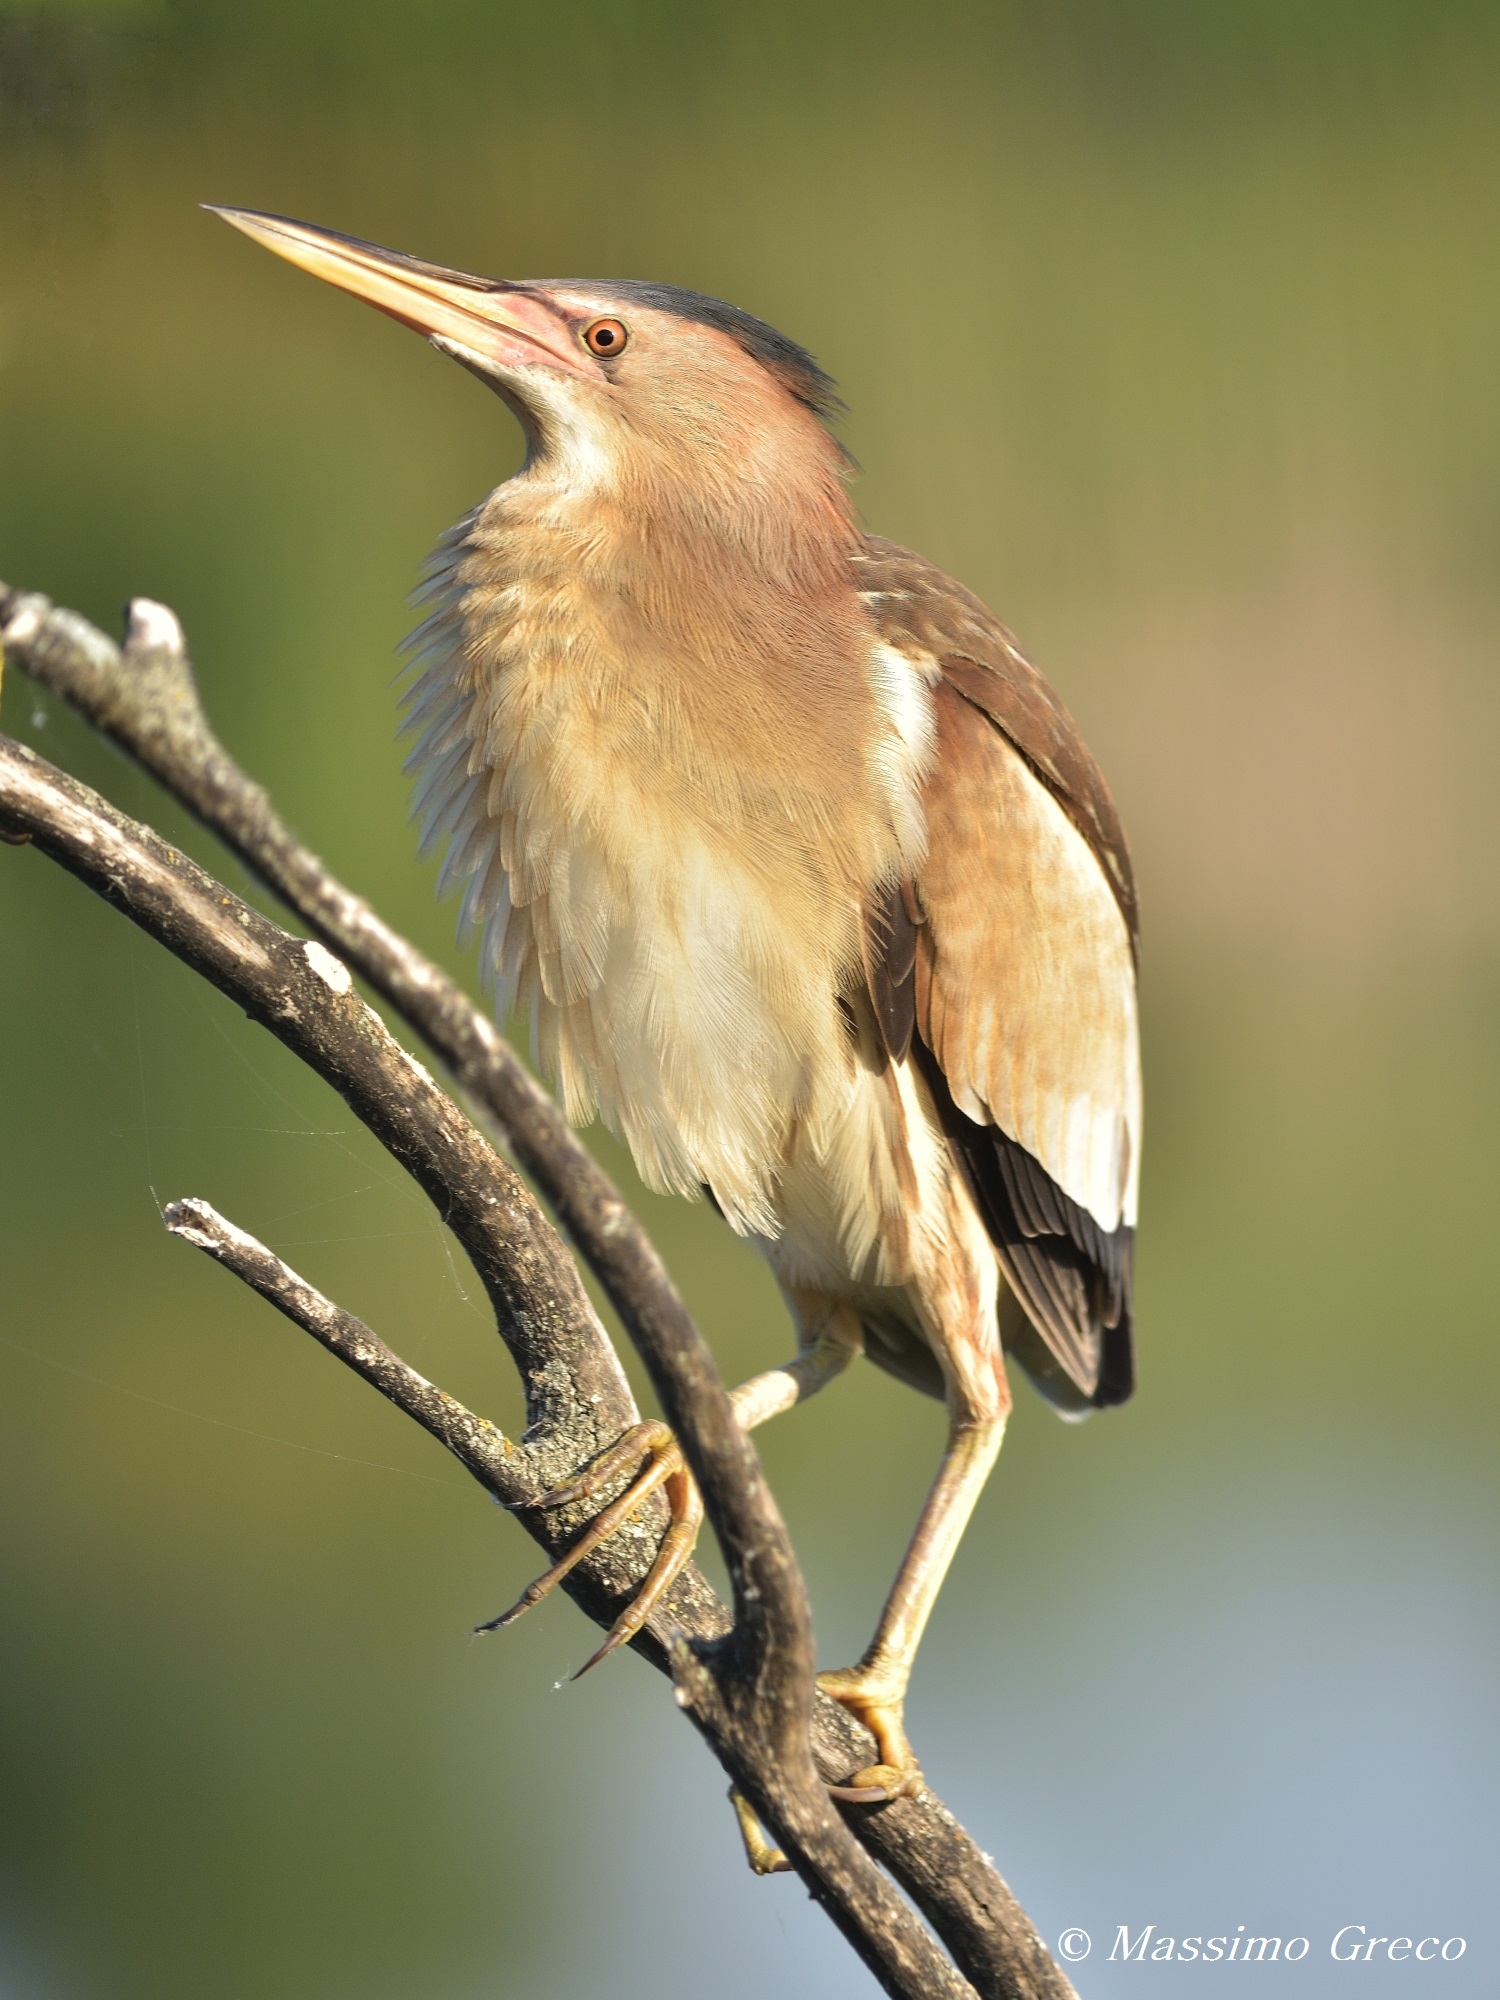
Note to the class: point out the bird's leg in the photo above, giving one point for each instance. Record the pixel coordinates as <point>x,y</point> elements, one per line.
<point>875,1690</point>
<point>831,1337</point>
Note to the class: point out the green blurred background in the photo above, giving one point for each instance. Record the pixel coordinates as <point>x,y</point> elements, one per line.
<point>1172,329</point>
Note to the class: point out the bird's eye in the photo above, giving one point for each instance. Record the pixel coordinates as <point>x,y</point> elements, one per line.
<point>606,337</point>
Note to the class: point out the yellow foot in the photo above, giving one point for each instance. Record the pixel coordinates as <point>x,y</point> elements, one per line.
<point>762,1856</point>
<point>898,1775</point>
<point>652,1449</point>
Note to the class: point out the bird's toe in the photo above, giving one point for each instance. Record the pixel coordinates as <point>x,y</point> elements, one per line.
<point>649,1450</point>
<point>878,1784</point>
<point>763,1856</point>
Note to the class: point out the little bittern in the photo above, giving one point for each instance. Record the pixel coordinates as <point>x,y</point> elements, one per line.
<point>799,868</point>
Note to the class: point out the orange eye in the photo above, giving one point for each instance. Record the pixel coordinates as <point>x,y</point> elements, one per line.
<point>606,338</point>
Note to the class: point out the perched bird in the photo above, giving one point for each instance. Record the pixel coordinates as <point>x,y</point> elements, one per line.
<point>799,868</point>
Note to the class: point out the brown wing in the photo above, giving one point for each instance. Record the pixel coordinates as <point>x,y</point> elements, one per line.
<point>1021,982</point>
<point>921,609</point>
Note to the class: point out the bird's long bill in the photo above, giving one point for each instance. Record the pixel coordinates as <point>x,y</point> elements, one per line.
<point>490,324</point>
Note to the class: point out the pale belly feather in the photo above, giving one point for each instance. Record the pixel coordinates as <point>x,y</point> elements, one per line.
<point>680,946</point>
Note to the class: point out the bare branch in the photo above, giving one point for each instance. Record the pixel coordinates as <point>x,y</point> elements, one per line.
<point>306,998</point>
<point>474,1441</point>
<point>481,1449</point>
<point>145,699</point>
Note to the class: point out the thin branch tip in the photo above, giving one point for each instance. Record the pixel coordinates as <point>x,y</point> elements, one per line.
<point>24,614</point>
<point>153,628</point>
<point>198,1223</point>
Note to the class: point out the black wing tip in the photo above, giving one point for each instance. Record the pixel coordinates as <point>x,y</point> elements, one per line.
<point>1116,1383</point>
<point>1070,1278</point>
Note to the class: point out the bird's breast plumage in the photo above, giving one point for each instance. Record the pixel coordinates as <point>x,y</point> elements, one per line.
<point>679,794</point>
<point>667,830</point>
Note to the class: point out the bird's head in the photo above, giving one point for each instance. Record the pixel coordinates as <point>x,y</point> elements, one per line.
<point>662,401</point>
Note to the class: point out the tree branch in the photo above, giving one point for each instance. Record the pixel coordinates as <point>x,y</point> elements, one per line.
<point>146,700</point>
<point>474,1441</point>
<point>306,997</point>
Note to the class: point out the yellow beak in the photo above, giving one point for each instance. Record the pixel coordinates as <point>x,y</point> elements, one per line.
<point>485,323</point>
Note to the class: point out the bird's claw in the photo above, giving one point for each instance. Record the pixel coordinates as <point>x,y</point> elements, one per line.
<point>651,1447</point>
<point>878,1784</point>
<point>898,1775</point>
